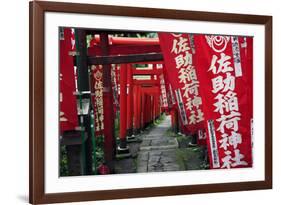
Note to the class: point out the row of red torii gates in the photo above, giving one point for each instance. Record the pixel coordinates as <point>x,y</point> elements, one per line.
<point>140,100</point>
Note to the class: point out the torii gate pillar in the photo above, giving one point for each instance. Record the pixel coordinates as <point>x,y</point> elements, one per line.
<point>129,101</point>
<point>109,139</point>
<point>137,110</point>
<point>122,148</point>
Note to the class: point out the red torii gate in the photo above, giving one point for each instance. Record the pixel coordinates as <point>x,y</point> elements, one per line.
<point>139,99</point>
<point>151,103</point>
<point>106,50</point>
<point>136,102</point>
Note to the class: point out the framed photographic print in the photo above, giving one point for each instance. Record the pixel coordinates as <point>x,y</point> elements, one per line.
<point>137,102</point>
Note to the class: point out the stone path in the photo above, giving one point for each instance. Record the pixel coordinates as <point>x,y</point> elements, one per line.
<point>158,151</point>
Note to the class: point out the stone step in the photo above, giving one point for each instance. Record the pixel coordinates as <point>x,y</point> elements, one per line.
<point>159,144</point>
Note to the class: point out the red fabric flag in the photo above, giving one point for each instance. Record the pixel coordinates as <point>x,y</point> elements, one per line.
<point>97,99</point>
<point>171,102</point>
<point>68,106</point>
<point>162,87</point>
<point>178,51</point>
<point>226,99</point>
<point>114,81</point>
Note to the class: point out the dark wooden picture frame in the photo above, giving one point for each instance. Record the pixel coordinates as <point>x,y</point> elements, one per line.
<point>37,95</point>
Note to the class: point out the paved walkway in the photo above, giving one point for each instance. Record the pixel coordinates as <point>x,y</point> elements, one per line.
<point>157,150</point>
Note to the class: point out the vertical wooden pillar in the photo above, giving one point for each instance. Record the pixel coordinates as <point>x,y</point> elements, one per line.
<point>83,88</point>
<point>137,113</point>
<point>122,147</point>
<point>148,100</point>
<point>109,139</point>
<point>142,109</point>
<point>129,100</point>
<point>123,102</point>
<point>179,123</point>
<point>157,106</point>
<point>174,119</point>
<point>146,110</point>
<point>135,108</point>
<point>153,108</point>
<point>150,109</point>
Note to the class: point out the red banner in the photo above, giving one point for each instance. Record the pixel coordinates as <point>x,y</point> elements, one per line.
<point>114,82</point>
<point>170,94</point>
<point>68,106</point>
<point>97,98</point>
<point>225,70</point>
<point>162,87</point>
<point>178,51</point>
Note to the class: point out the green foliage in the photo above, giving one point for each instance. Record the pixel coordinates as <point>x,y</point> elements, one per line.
<point>191,158</point>
<point>117,125</point>
<point>160,119</point>
<point>63,162</point>
<point>140,65</point>
<point>99,150</point>
<point>136,35</point>
<point>88,38</point>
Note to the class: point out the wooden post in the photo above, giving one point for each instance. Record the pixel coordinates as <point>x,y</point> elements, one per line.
<point>150,109</point>
<point>129,101</point>
<point>142,109</point>
<point>179,123</point>
<point>157,106</point>
<point>177,120</point>
<point>146,109</point>
<point>135,109</point>
<point>84,87</point>
<point>109,139</point>
<point>174,119</point>
<point>137,112</point>
<point>122,147</point>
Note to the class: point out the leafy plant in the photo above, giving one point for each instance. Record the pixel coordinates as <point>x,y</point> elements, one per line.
<point>63,162</point>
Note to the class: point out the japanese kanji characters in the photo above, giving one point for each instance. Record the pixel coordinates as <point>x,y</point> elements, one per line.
<point>223,64</point>
<point>98,99</point>
<point>163,91</point>
<point>226,101</point>
<point>205,74</point>
<point>187,76</point>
